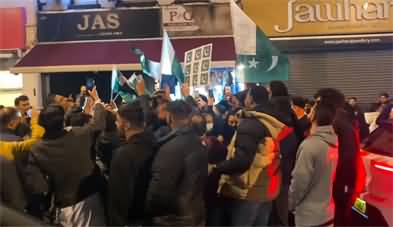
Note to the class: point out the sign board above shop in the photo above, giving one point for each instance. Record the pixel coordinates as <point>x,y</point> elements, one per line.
<point>98,25</point>
<point>292,18</point>
<point>308,25</point>
<point>197,20</point>
<point>178,20</point>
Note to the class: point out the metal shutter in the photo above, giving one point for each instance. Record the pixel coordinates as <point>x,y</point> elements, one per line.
<point>363,74</point>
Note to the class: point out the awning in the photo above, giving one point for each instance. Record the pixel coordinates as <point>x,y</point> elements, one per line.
<point>102,55</point>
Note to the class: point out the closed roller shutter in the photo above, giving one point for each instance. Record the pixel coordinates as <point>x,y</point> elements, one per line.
<point>363,74</point>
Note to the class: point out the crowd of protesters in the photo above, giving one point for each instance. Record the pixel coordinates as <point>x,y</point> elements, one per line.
<point>260,157</point>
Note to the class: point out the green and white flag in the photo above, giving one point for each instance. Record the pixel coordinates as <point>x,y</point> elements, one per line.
<point>115,85</point>
<point>127,94</point>
<point>170,66</point>
<point>149,67</point>
<point>258,61</point>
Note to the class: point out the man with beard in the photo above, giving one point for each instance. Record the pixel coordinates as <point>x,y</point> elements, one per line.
<point>179,173</point>
<point>131,164</point>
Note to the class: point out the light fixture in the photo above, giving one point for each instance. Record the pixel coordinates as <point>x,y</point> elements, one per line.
<point>240,67</point>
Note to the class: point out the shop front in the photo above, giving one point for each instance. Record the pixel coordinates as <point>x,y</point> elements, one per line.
<point>345,44</point>
<point>76,45</point>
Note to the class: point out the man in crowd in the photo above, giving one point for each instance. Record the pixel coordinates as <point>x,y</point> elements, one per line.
<point>81,97</point>
<point>130,169</point>
<point>251,155</point>
<point>61,162</point>
<point>65,102</point>
<point>11,190</point>
<point>383,100</point>
<point>22,104</point>
<point>8,125</point>
<point>9,120</point>
<point>303,123</point>
<point>310,193</point>
<point>345,186</point>
<point>179,173</point>
<point>361,126</point>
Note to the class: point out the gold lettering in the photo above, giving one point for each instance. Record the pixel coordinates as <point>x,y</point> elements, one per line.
<point>318,13</point>
<point>187,16</point>
<point>347,10</point>
<point>340,15</point>
<point>172,15</point>
<point>306,15</point>
<point>113,21</point>
<point>290,19</point>
<point>368,10</point>
<point>358,10</point>
<point>85,25</point>
<point>332,11</point>
<point>386,8</point>
<point>98,23</point>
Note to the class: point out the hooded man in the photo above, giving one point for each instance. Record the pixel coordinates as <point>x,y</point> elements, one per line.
<point>311,189</point>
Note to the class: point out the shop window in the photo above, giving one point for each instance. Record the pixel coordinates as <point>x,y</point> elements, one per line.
<point>10,87</point>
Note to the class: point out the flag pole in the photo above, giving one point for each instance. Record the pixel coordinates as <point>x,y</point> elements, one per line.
<point>114,67</point>
<point>114,99</point>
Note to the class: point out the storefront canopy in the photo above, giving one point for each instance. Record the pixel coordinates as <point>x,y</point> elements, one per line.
<point>102,55</point>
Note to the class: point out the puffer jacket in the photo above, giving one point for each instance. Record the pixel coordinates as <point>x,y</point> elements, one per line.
<point>179,174</point>
<point>261,182</point>
<point>8,148</point>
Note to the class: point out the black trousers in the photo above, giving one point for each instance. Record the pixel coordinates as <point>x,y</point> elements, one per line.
<point>343,202</point>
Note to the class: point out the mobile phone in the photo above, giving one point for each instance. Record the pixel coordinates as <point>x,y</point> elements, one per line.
<point>29,113</point>
<point>211,93</point>
<point>90,83</point>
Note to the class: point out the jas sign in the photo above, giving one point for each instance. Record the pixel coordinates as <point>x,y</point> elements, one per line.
<point>98,25</point>
<point>321,17</point>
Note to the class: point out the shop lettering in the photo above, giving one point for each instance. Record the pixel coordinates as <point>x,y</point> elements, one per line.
<point>334,12</point>
<point>174,16</point>
<point>98,22</point>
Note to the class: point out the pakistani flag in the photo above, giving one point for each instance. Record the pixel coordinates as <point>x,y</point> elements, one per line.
<point>127,93</point>
<point>258,60</point>
<point>170,66</point>
<point>149,67</point>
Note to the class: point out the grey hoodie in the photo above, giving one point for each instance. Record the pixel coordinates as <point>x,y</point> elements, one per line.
<point>310,193</point>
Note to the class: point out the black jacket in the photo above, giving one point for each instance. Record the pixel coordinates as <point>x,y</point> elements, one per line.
<point>129,179</point>
<point>65,161</point>
<point>250,133</point>
<point>11,189</point>
<point>289,144</point>
<point>9,135</point>
<point>179,174</point>
<point>348,150</point>
<point>106,143</point>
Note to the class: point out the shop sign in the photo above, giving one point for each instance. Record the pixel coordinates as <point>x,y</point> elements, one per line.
<point>197,20</point>
<point>98,25</point>
<point>292,18</point>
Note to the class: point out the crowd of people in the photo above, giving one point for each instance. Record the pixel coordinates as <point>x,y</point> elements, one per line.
<point>260,157</point>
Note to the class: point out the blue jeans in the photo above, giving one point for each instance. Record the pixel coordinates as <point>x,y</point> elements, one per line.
<point>246,213</point>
